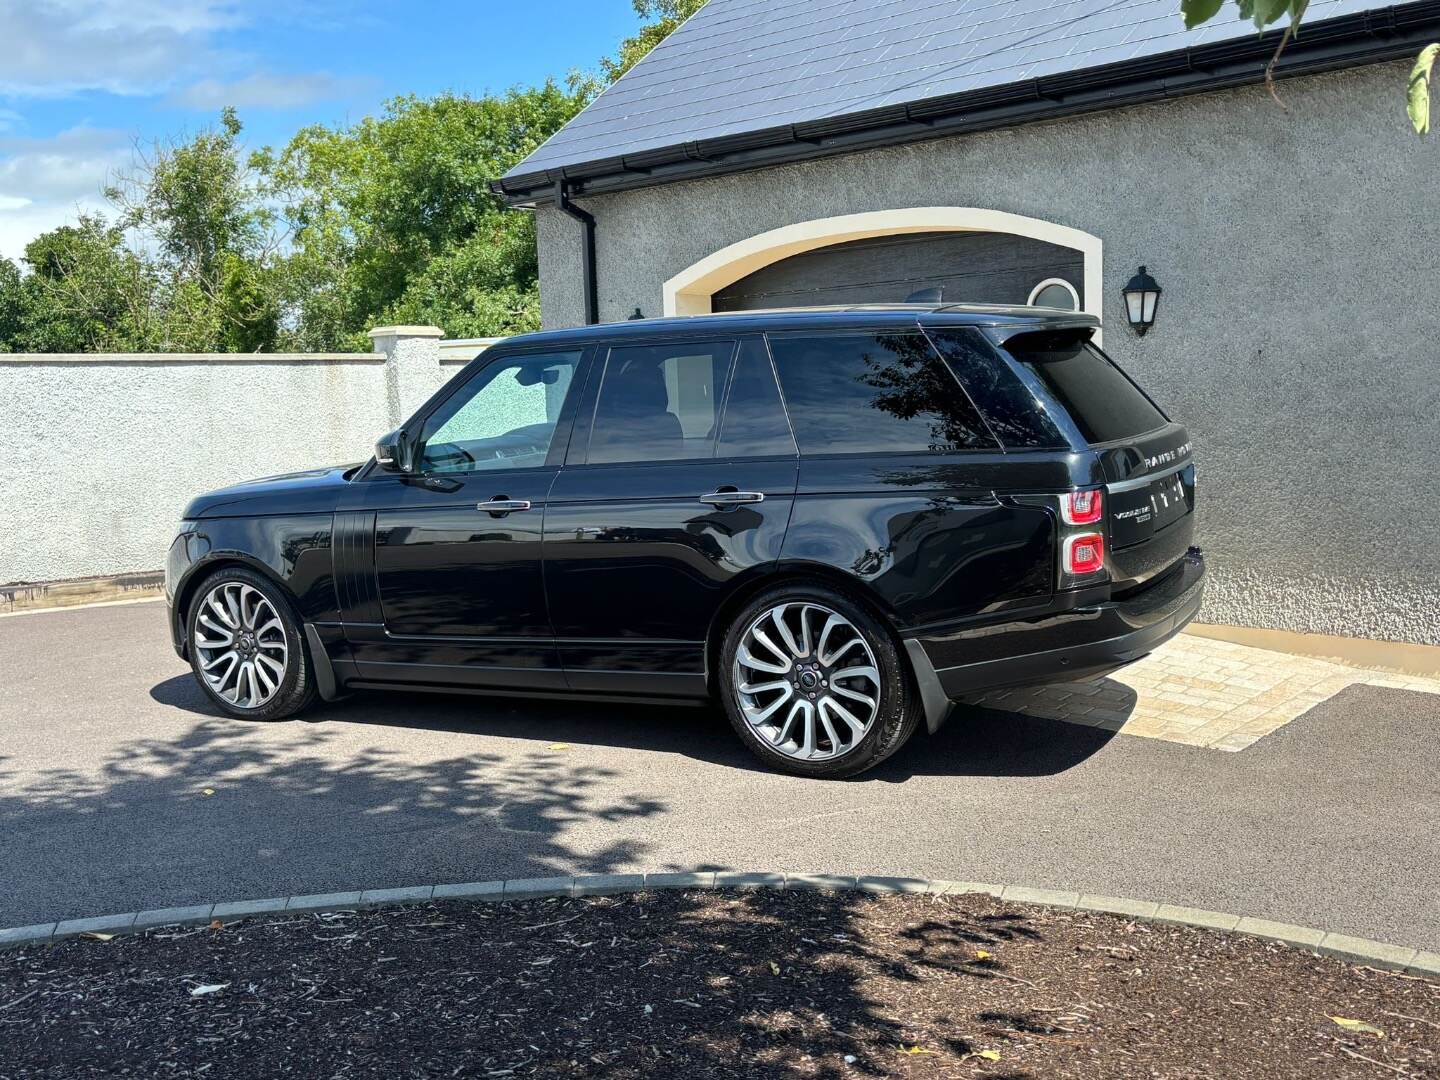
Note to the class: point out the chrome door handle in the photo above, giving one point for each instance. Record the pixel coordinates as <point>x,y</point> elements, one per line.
<point>732,498</point>
<point>499,505</point>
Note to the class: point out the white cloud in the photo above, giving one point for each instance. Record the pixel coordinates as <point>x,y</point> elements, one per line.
<point>47,182</point>
<point>72,164</point>
<point>268,91</point>
<point>55,47</point>
<point>174,50</point>
<point>133,47</point>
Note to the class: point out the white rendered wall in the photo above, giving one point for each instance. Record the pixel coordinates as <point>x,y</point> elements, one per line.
<point>102,452</point>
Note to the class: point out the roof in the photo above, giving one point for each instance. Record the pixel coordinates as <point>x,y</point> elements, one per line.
<point>841,316</point>
<point>745,75</point>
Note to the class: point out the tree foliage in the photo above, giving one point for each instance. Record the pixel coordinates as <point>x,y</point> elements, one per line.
<point>1265,13</point>
<point>186,261</point>
<point>12,316</point>
<point>393,219</point>
<point>86,292</point>
<point>209,248</point>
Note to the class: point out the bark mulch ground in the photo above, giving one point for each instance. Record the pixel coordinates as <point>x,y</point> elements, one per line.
<point>707,984</point>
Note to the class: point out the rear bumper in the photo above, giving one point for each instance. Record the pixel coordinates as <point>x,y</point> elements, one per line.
<point>1081,643</point>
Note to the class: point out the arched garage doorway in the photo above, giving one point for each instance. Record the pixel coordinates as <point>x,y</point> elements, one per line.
<point>976,255</point>
<point>969,267</point>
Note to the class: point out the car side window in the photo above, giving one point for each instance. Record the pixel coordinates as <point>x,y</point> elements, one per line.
<point>659,402</point>
<point>1017,417</point>
<point>503,418</point>
<point>754,424</point>
<point>869,393</point>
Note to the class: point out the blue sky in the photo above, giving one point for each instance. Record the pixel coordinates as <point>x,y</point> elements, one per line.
<point>82,80</point>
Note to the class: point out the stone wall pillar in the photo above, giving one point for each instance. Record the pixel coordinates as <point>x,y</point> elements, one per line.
<point>412,358</point>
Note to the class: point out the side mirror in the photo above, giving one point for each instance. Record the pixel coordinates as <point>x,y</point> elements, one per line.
<point>392,452</point>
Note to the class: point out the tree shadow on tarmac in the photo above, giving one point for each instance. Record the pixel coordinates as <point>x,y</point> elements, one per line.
<point>215,813</point>
<point>226,809</point>
<point>975,742</point>
<point>212,800</point>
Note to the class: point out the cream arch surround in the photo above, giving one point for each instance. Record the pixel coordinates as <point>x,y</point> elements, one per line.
<point>689,292</point>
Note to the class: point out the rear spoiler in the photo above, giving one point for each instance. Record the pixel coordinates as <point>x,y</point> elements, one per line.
<point>1086,324</point>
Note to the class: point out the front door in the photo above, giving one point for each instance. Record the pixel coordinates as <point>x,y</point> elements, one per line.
<point>458,591</point>
<point>679,482</point>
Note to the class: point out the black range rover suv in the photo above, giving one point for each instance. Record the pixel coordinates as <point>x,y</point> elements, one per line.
<point>832,521</point>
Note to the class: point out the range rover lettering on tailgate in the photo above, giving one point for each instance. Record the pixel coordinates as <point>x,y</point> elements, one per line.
<point>833,522</point>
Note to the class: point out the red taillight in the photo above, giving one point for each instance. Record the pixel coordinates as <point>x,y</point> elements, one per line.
<point>1082,507</point>
<point>1083,553</point>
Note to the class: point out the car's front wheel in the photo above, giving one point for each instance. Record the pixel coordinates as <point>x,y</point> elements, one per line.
<point>246,647</point>
<point>814,683</point>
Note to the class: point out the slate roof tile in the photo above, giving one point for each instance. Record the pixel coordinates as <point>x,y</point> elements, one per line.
<point>740,66</point>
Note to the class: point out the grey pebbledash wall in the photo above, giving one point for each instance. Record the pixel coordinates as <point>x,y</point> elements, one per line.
<point>1298,336</point>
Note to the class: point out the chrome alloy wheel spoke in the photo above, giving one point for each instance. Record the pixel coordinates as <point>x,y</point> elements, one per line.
<point>807,681</point>
<point>239,644</point>
<point>221,635</point>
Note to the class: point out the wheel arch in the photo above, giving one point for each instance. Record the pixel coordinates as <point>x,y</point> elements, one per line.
<point>203,570</point>
<point>794,573</point>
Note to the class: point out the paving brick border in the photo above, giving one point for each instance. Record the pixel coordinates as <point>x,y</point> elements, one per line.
<point>1341,946</point>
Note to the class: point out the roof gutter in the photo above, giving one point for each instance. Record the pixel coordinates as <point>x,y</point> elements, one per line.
<point>587,252</point>
<point>1370,37</point>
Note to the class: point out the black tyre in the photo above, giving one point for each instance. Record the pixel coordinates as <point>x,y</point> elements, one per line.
<point>246,647</point>
<point>815,684</point>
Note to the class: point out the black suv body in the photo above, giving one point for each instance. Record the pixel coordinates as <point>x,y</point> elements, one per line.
<point>834,521</point>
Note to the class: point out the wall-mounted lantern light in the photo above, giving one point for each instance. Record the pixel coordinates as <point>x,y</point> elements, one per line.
<point>1142,296</point>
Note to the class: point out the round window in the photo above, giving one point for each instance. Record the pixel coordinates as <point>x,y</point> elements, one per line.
<point>1055,293</point>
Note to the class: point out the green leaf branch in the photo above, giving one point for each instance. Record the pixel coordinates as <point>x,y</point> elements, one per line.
<point>1421,76</point>
<point>1264,13</point>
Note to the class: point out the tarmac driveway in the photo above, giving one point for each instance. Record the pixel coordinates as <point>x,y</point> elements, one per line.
<point>120,790</point>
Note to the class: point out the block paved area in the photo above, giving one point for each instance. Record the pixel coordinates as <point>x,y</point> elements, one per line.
<point>1200,692</point>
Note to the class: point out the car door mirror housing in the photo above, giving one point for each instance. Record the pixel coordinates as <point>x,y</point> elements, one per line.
<point>393,452</point>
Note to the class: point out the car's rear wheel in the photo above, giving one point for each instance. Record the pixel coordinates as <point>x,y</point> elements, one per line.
<point>246,648</point>
<point>814,683</point>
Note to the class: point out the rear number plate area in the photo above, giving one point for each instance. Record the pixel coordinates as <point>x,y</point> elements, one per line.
<point>1138,513</point>
<point>1167,498</point>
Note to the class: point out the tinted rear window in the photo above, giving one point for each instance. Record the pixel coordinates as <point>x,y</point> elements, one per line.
<point>868,393</point>
<point>1017,416</point>
<point>1103,402</point>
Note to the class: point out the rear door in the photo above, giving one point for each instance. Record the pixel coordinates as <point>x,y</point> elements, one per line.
<point>678,482</point>
<point>1145,456</point>
<point>898,479</point>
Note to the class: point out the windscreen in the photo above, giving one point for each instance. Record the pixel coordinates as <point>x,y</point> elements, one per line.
<point>1105,405</point>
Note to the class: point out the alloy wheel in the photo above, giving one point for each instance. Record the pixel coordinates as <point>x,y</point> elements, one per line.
<point>806,681</point>
<point>240,644</point>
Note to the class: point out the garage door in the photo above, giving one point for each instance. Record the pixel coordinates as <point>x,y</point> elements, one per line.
<point>970,267</point>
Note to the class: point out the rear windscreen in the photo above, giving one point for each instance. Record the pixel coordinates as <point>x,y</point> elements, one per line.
<point>1105,405</point>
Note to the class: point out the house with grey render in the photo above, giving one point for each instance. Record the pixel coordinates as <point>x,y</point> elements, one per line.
<point>774,153</point>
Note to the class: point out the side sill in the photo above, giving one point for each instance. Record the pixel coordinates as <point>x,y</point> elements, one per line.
<point>933,698</point>
<point>522,694</point>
